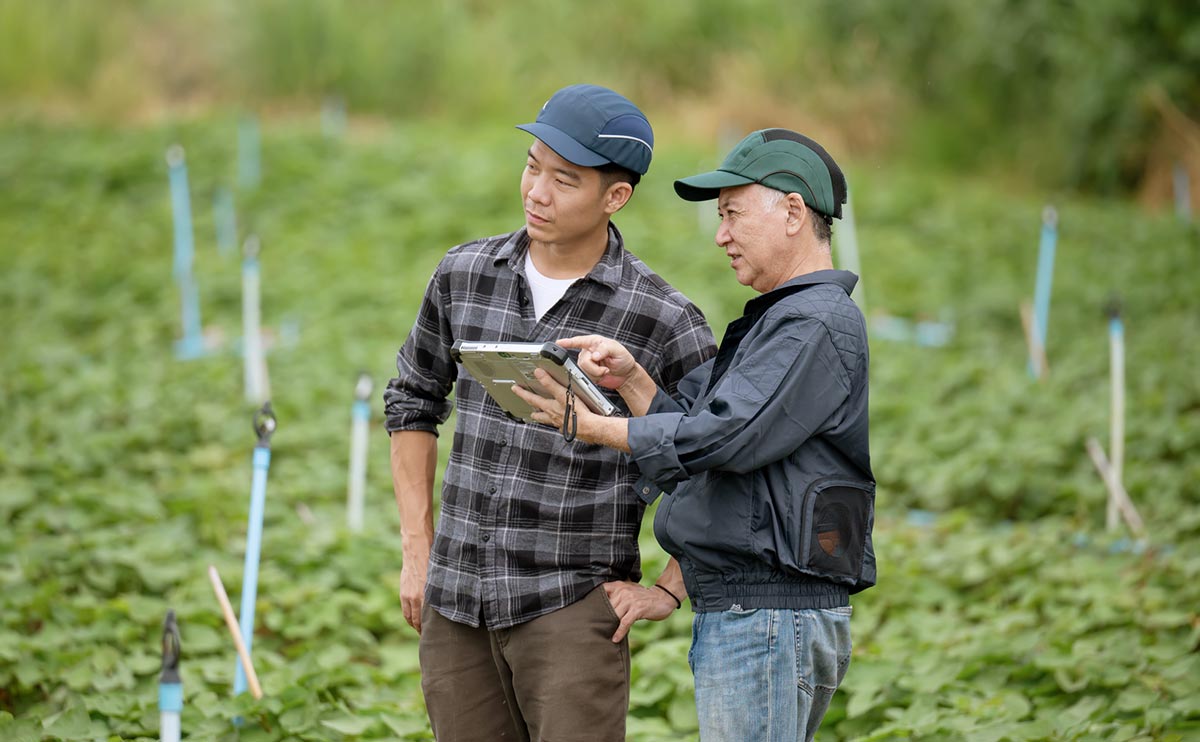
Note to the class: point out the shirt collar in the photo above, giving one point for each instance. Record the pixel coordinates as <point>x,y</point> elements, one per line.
<point>607,270</point>
<point>845,279</point>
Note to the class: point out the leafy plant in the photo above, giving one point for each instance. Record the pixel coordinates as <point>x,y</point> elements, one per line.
<point>124,472</point>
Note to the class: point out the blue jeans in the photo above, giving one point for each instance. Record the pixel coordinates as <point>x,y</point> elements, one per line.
<point>767,675</point>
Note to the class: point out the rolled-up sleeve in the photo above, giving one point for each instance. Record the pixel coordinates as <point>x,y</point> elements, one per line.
<point>786,384</point>
<point>417,398</point>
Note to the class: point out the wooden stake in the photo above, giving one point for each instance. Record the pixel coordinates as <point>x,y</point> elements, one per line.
<point>1115,489</point>
<point>1037,352</point>
<point>235,631</point>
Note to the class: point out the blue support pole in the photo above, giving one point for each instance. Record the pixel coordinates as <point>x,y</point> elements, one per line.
<point>1045,276</point>
<point>1116,438</point>
<point>249,162</point>
<point>254,359</point>
<point>191,345</point>
<point>225,220</point>
<point>170,686</point>
<point>333,117</point>
<point>264,425</point>
<point>356,487</point>
<point>846,239</point>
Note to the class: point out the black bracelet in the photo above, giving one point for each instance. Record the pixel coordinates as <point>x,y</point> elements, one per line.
<point>678,604</point>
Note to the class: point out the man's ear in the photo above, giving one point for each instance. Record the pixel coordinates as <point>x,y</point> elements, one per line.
<point>798,213</point>
<point>616,196</point>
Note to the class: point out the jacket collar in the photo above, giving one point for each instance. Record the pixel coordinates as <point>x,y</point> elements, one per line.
<point>845,279</point>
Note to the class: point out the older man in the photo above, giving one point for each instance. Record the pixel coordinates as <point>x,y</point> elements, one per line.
<point>763,449</point>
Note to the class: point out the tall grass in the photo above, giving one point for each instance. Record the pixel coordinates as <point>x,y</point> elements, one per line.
<point>1057,91</point>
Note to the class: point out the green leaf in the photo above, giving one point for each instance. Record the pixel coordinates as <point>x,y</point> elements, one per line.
<point>407,726</point>
<point>73,723</point>
<point>20,730</point>
<point>349,725</point>
<point>299,719</point>
<point>681,713</point>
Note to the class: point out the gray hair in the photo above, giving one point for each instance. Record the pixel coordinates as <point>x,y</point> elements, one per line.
<point>822,225</point>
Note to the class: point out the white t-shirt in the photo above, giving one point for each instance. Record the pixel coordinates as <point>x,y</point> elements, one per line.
<point>546,291</point>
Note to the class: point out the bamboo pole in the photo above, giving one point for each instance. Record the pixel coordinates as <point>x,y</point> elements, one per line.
<point>1037,352</point>
<point>235,631</point>
<point>1115,489</point>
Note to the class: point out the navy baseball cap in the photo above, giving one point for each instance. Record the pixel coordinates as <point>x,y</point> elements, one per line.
<point>592,126</point>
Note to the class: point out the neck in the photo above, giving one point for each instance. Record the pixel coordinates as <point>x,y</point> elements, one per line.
<point>811,260</point>
<point>569,259</point>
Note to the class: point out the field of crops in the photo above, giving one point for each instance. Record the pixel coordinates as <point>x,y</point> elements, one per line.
<point>1004,610</point>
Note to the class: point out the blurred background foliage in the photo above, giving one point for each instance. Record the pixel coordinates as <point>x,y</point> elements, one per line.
<point>1066,93</point>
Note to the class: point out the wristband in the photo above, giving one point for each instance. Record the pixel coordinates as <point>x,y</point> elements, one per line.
<point>678,603</point>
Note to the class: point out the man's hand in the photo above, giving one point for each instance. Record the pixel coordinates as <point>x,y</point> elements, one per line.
<point>606,361</point>
<point>412,587</point>
<point>633,602</point>
<point>589,427</point>
<point>612,366</point>
<point>551,410</point>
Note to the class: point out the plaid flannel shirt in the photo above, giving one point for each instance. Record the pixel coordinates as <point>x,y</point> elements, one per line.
<point>530,523</point>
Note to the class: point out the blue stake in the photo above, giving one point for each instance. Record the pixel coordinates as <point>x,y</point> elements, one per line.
<point>264,426</point>
<point>170,686</point>
<point>1116,438</point>
<point>225,220</point>
<point>333,117</point>
<point>360,415</point>
<point>1045,276</point>
<point>847,251</point>
<point>254,360</point>
<point>249,171</point>
<point>191,345</point>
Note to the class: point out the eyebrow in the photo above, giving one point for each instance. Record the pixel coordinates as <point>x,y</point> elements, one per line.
<point>571,175</point>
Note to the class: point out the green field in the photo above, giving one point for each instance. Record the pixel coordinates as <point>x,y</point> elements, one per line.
<point>1004,610</point>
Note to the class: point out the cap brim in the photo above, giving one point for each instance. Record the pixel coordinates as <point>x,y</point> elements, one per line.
<point>566,147</point>
<point>707,186</point>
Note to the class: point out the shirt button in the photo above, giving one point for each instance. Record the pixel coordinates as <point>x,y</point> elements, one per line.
<point>502,443</point>
<point>487,537</point>
<point>645,490</point>
<point>492,489</point>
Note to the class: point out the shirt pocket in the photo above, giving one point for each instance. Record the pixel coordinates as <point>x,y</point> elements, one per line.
<point>834,520</point>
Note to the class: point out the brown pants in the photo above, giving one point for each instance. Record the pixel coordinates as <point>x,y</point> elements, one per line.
<point>557,678</point>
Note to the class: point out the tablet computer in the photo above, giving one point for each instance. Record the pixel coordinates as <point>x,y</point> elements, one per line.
<point>498,366</point>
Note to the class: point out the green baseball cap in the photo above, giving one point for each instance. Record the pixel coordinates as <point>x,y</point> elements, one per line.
<point>779,159</point>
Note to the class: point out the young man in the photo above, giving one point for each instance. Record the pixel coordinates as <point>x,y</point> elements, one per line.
<point>764,451</point>
<point>515,636</point>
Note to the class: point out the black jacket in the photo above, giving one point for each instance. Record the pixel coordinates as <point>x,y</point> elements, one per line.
<point>765,450</point>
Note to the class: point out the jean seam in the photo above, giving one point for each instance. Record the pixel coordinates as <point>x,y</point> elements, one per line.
<point>772,646</point>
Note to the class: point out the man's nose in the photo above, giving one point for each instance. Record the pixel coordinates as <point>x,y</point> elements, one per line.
<point>539,192</point>
<point>722,238</point>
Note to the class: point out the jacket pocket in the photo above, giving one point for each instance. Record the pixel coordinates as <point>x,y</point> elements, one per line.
<point>835,527</point>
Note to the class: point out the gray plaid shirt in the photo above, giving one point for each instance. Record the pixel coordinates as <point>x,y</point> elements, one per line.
<point>530,523</point>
